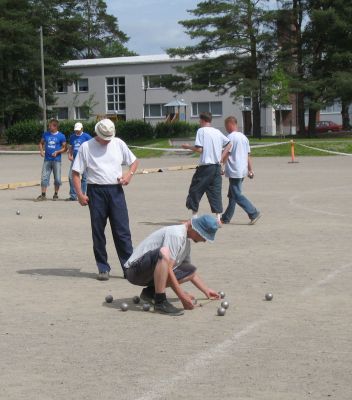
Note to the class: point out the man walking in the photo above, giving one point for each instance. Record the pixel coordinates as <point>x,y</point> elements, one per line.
<point>238,166</point>
<point>101,159</point>
<point>75,142</point>
<point>210,143</point>
<point>51,146</point>
<point>163,259</point>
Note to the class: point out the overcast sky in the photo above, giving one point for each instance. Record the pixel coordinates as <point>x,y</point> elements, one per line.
<point>152,24</point>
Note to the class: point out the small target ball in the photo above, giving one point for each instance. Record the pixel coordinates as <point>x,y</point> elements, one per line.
<point>40,216</point>
<point>146,307</point>
<point>268,296</point>
<point>221,311</point>
<point>124,307</point>
<point>18,212</point>
<point>225,304</point>
<point>222,294</point>
<point>109,298</point>
<point>136,299</point>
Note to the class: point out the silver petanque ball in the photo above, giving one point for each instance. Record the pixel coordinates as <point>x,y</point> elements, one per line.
<point>136,299</point>
<point>222,294</point>
<point>221,311</point>
<point>124,307</point>
<point>18,212</point>
<point>225,304</point>
<point>109,298</point>
<point>146,307</point>
<point>268,296</point>
<point>40,216</point>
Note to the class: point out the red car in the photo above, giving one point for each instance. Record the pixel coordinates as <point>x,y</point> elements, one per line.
<point>327,126</point>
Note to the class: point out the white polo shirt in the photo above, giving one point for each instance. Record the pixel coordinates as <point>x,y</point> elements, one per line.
<point>103,163</point>
<point>212,141</point>
<point>237,163</point>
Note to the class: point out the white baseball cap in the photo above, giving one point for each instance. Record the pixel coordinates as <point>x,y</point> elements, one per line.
<point>78,126</point>
<point>105,129</point>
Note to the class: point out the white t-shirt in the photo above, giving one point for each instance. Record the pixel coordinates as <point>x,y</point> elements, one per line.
<point>237,164</point>
<point>212,141</point>
<point>174,237</point>
<point>103,163</point>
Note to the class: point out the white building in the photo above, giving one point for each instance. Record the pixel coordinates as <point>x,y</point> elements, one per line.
<point>130,88</point>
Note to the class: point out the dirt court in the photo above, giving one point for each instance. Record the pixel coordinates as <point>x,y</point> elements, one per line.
<point>60,340</point>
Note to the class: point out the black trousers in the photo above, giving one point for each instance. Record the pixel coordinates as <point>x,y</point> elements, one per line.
<point>207,179</point>
<point>108,202</point>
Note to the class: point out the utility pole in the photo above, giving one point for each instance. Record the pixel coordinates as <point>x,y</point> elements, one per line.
<point>43,77</point>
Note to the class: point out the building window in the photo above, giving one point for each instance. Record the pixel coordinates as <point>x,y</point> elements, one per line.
<point>61,87</point>
<point>215,107</point>
<point>81,85</point>
<point>153,81</point>
<point>60,112</point>
<point>154,111</point>
<point>247,102</point>
<point>81,113</point>
<point>333,108</point>
<point>116,94</point>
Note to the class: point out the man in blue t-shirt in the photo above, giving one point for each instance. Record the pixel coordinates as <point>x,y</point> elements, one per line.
<point>51,146</point>
<point>76,140</point>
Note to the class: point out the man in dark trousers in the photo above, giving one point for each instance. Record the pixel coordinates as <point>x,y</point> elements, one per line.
<point>210,143</point>
<point>101,159</point>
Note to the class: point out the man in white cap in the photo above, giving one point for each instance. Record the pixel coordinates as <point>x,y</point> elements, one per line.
<point>164,259</point>
<point>101,159</point>
<point>76,140</point>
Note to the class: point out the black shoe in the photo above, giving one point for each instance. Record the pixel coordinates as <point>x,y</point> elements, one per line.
<point>147,295</point>
<point>70,199</point>
<point>55,197</point>
<point>103,276</point>
<point>40,198</point>
<point>167,308</point>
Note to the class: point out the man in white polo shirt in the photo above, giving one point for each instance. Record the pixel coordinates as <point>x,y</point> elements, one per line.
<point>238,166</point>
<point>101,159</point>
<point>210,143</point>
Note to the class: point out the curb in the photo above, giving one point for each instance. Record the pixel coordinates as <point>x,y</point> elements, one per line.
<point>17,185</point>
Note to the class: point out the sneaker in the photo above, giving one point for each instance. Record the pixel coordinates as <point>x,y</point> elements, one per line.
<point>103,276</point>
<point>40,198</point>
<point>167,308</point>
<point>70,199</point>
<point>254,220</point>
<point>55,197</point>
<point>147,295</point>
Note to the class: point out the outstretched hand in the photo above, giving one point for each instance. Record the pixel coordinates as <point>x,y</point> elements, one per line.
<point>83,200</point>
<point>212,294</point>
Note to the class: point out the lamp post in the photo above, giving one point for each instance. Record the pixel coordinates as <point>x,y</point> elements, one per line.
<point>145,101</point>
<point>43,77</point>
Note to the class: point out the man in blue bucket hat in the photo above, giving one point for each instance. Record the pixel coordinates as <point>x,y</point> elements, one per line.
<point>163,260</point>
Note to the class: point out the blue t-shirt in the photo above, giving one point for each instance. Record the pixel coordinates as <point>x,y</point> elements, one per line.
<point>77,140</point>
<point>53,142</point>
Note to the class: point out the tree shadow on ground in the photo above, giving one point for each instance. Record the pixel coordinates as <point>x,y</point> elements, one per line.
<point>65,272</point>
<point>163,223</point>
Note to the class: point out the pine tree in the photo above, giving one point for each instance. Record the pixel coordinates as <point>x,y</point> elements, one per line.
<point>241,31</point>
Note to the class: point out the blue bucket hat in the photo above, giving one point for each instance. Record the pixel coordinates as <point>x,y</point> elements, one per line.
<point>206,226</point>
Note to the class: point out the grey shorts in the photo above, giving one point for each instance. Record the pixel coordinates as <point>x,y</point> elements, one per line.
<point>141,271</point>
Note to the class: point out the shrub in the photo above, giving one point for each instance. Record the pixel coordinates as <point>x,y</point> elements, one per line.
<point>134,129</point>
<point>175,129</point>
<point>24,132</point>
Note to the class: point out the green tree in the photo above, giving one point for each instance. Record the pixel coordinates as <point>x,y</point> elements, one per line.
<point>241,32</point>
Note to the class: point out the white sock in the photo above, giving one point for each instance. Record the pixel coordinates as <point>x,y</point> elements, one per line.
<point>218,217</point>
<point>194,214</point>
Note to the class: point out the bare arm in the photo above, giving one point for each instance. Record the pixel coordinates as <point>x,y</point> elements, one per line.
<point>226,153</point>
<point>62,150</point>
<point>199,283</point>
<point>176,287</point>
<point>195,149</point>
<point>126,178</point>
<point>41,147</point>
<point>250,166</point>
<point>82,198</point>
<point>70,153</point>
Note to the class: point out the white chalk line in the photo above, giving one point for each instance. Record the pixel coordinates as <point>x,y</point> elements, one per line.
<point>293,202</point>
<point>199,363</point>
<point>328,278</point>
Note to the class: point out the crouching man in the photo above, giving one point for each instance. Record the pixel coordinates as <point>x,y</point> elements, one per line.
<point>163,260</point>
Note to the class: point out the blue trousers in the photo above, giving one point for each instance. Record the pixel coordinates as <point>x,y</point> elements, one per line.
<point>73,194</point>
<point>108,202</point>
<point>207,179</point>
<point>236,197</point>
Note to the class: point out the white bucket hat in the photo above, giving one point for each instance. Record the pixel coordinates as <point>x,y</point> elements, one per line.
<point>105,129</point>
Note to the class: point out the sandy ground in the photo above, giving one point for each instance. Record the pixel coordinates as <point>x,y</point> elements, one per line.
<point>59,340</point>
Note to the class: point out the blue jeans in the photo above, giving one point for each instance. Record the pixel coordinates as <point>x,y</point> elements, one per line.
<point>49,166</point>
<point>108,202</point>
<point>236,197</point>
<point>73,194</point>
